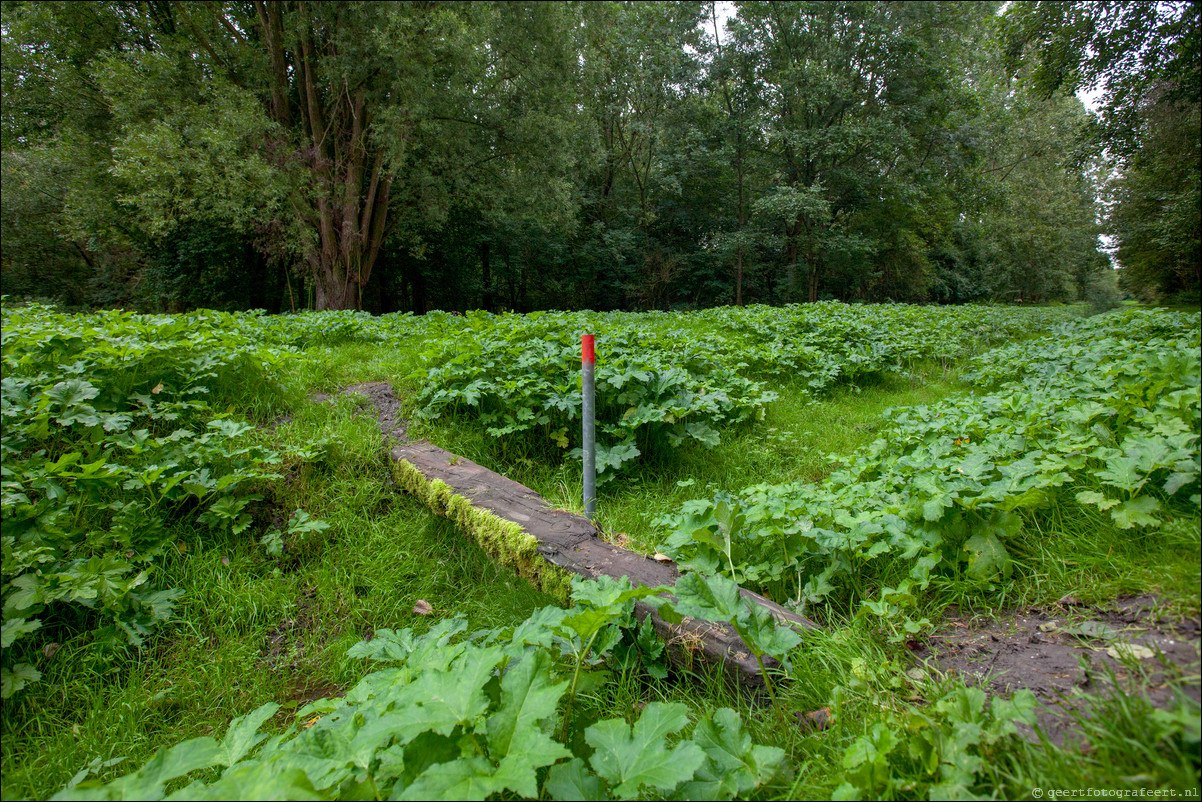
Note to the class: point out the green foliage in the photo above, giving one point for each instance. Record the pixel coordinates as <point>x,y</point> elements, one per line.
<point>492,155</point>
<point>718,599</point>
<point>116,428</point>
<point>1102,293</point>
<point>1155,217</point>
<point>662,380</point>
<point>565,704</point>
<point>1144,62</point>
<point>1104,414</point>
<point>520,374</point>
<point>1127,49</point>
<point>633,758</point>
<point>330,328</point>
<point>455,716</point>
<point>944,751</point>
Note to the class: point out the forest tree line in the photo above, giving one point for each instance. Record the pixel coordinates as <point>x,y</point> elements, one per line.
<point>606,155</point>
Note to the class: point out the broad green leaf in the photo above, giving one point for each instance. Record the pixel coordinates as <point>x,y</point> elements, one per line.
<point>16,678</point>
<point>632,758</point>
<point>589,621</point>
<point>1122,471</point>
<point>987,557</point>
<point>871,748</point>
<point>15,629</point>
<point>932,510</point>
<point>714,598</point>
<point>385,645</point>
<point>703,433</point>
<point>148,781</point>
<point>1099,500</point>
<point>28,593</point>
<point>573,782</point>
<point>254,780</point>
<point>1178,480</point>
<point>243,734</point>
<point>1021,706</point>
<point>465,778</point>
<point>378,730</point>
<point>606,591</point>
<point>1136,512</point>
<point>760,630</point>
<point>72,393</point>
<point>446,700</point>
<point>733,767</point>
<point>517,771</point>
<point>516,736</point>
<point>846,792</point>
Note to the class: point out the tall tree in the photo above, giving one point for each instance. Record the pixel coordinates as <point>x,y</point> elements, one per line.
<point>732,75</point>
<point>1156,207</point>
<point>856,99</point>
<point>325,126</point>
<point>610,155</point>
<point>636,69</point>
<point>1145,62</point>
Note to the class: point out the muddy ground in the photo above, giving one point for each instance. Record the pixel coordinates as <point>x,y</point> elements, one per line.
<point>1066,653</point>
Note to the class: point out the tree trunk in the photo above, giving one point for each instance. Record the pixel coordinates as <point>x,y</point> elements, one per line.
<point>489,297</point>
<point>333,291</point>
<point>812,262</point>
<point>348,183</point>
<point>739,276</point>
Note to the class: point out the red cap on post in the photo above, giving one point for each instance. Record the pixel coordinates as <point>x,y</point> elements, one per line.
<point>587,355</point>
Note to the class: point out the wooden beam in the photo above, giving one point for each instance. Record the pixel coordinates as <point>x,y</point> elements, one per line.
<point>569,543</point>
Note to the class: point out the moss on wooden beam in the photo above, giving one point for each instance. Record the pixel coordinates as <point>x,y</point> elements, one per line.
<point>505,542</point>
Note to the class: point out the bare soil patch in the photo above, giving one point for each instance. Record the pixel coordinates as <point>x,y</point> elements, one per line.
<point>383,401</point>
<point>387,406</point>
<point>1068,653</point>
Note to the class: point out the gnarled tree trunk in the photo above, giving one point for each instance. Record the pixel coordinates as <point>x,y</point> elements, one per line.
<point>350,185</point>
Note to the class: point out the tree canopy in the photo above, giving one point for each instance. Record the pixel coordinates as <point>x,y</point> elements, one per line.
<point>508,155</point>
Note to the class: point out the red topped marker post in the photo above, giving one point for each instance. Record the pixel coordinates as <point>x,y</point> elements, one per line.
<point>588,411</point>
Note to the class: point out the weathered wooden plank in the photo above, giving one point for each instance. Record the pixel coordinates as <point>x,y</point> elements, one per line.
<point>570,543</point>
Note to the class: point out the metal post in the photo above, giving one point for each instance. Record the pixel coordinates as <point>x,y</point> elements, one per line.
<point>588,412</point>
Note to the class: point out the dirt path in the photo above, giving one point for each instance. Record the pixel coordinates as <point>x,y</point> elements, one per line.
<point>387,406</point>
<point>1067,652</point>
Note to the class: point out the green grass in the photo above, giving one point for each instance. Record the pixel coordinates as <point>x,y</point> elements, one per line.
<point>794,441</point>
<point>1085,555</point>
<point>254,629</point>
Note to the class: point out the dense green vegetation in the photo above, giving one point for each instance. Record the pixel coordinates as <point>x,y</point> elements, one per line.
<point>112,427</point>
<point>667,378</point>
<point>1145,63</point>
<point>412,156</point>
<point>1103,414</point>
<point>202,564</point>
<point>856,272</point>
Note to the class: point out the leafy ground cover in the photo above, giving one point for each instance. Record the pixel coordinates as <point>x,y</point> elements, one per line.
<point>306,627</point>
<point>661,383</point>
<point>1102,415</point>
<point>114,427</point>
